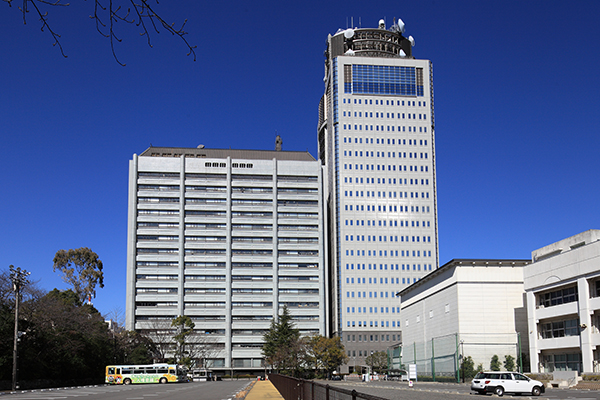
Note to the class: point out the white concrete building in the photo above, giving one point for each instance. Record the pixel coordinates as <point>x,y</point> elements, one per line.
<point>226,237</point>
<point>376,140</point>
<point>466,307</point>
<point>563,303</point>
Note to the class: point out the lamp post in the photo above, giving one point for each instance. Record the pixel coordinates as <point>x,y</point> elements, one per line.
<point>19,279</point>
<point>371,372</point>
<point>462,356</point>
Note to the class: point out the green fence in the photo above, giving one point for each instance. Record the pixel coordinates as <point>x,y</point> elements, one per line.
<point>439,359</point>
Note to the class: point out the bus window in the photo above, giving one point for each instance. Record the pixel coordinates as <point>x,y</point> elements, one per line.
<point>118,371</point>
<point>172,371</point>
<point>111,370</point>
<point>162,370</point>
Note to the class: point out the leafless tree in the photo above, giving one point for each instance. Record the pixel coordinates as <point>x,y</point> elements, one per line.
<point>107,13</point>
<point>203,348</point>
<point>161,332</point>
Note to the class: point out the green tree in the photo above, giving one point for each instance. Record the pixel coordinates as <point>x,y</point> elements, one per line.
<point>131,347</point>
<point>495,363</point>
<point>282,348</point>
<point>467,367</point>
<point>184,327</point>
<point>324,353</point>
<point>81,269</point>
<point>509,363</point>
<point>378,360</point>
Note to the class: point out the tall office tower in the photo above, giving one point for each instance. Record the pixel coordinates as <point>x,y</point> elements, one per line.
<point>226,237</point>
<point>376,139</point>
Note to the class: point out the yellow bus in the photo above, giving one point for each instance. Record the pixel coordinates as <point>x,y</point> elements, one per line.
<point>151,373</point>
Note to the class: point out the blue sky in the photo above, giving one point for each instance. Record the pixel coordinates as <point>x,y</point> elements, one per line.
<point>517,98</point>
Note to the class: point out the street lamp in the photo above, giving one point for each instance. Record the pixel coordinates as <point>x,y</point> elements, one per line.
<point>371,372</point>
<point>462,356</point>
<point>19,279</point>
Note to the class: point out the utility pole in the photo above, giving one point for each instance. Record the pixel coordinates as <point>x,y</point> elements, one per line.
<point>19,279</point>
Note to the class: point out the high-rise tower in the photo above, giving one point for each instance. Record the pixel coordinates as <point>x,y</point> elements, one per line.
<point>376,139</point>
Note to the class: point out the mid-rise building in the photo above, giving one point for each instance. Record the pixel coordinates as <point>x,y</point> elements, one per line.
<point>376,140</point>
<point>226,237</point>
<point>466,308</point>
<point>563,305</point>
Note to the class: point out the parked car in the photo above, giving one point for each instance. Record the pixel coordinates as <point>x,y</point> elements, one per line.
<point>500,382</point>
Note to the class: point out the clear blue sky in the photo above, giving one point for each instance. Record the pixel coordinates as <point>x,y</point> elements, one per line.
<point>517,111</point>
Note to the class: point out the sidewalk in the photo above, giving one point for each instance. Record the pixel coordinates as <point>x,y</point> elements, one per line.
<point>263,390</point>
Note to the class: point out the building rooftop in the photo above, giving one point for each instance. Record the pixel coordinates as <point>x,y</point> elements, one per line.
<point>567,244</point>
<point>201,152</point>
<point>464,262</point>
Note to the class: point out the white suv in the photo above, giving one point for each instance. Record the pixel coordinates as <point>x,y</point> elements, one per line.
<point>505,382</point>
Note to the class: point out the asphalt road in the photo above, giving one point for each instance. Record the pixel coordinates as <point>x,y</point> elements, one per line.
<point>222,390</point>
<point>453,391</point>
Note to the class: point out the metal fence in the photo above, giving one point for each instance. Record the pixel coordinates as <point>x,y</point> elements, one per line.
<point>300,389</point>
<point>440,358</point>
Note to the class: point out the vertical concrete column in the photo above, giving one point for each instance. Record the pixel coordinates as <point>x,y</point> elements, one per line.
<point>131,245</point>
<point>585,319</point>
<point>181,242</point>
<point>534,357</point>
<point>228,279</point>
<point>275,245</point>
<point>323,311</point>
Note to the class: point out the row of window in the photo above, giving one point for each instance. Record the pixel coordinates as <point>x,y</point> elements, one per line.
<point>361,222</point>
<point>373,310</point>
<point>370,338</point>
<point>384,267</point>
<point>382,280</point>
<point>372,324</point>
<point>385,128</point>
<point>409,103</point>
<point>369,114</point>
<point>212,264</point>
<point>390,195</point>
<point>381,167</point>
<point>217,176</point>
<point>373,238</point>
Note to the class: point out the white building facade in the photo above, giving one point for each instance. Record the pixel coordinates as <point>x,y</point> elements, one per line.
<point>376,140</point>
<point>563,301</point>
<point>467,307</point>
<point>226,237</point>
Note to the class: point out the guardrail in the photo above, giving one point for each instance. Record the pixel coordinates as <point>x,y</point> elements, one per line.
<point>301,389</point>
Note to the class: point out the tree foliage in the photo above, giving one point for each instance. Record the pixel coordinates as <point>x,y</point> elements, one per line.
<point>184,327</point>
<point>282,346</point>
<point>325,354</point>
<point>378,361</point>
<point>81,269</point>
<point>495,363</point>
<point>509,363</point>
<point>141,13</point>
<point>467,368</point>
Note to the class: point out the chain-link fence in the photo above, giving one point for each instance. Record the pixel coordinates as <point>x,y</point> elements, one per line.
<point>440,358</point>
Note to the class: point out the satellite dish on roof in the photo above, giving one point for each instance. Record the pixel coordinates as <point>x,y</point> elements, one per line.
<point>381,24</point>
<point>402,53</point>
<point>200,146</point>
<point>349,33</point>
<point>411,40</point>
<point>401,25</point>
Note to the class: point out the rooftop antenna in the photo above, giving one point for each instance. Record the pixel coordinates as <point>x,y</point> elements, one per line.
<point>360,22</point>
<point>352,23</point>
<point>346,22</point>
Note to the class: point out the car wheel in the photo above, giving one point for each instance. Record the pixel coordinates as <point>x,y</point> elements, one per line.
<point>499,391</point>
<point>536,391</point>
<point>163,380</point>
<point>127,381</point>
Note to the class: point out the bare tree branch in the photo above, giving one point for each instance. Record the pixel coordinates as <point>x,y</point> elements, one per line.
<point>143,16</point>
